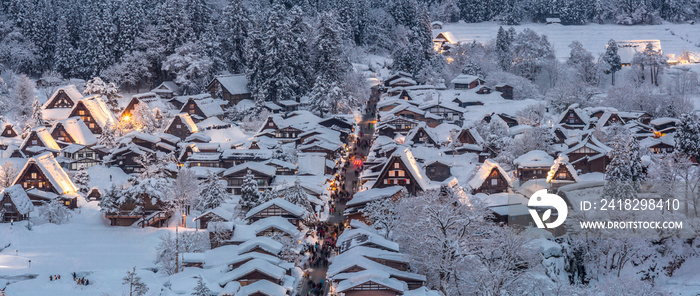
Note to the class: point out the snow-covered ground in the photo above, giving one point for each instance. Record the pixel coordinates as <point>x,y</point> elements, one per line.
<point>86,245</point>
<point>674,37</point>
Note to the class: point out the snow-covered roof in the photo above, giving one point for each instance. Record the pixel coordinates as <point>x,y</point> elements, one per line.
<point>373,194</point>
<point>664,120</point>
<point>259,265</point>
<point>253,166</point>
<point>19,198</point>
<point>219,211</point>
<point>351,238</point>
<point>465,79</point>
<point>276,222</point>
<point>373,276</point>
<point>406,157</point>
<point>561,160</point>
<point>166,87</point>
<point>590,141</point>
<point>210,122</point>
<point>98,109</point>
<point>210,107</point>
<point>71,91</point>
<point>269,245</point>
<point>236,84</point>
<point>534,159</point>
<point>280,202</point>
<point>484,172</point>
<point>555,20</point>
<point>626,49</point>
<point>78,130</point>
<point>311,163</point>
<point>53,172</point>
<point>186,120</point>
<point>44,136</point>
<point>447,36</point>
<point>262,287</point>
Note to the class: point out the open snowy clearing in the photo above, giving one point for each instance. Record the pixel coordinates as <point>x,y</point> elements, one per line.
<point>674,37</point>
<point>86,245</point>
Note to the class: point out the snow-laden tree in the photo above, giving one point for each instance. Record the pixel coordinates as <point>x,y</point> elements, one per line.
<point>651,59</point>
<point>688,135</point>
<point>107,137</point>
<point>136,286</point>
<point>531,53</point>
<point>449,239</point>
<point>504,41</point>
<point>82,179</point>
<point>109,92</point>
<point>611,59</point>
<point>55,212</point>
<point>211,193</point>
<point>143,119</point>
<point>298,196</point>
<point>183,191</point>
<point>132,69</point>
<point>37,118</point>
<point>382,214</point>
<point>234,25</point>
<point>145,191</point>
<point>201,289</point>
<point>534,115</point>
<point>186,242</point>
<point>250,194</point>
<point>496,135</point>
<point>191,66</point>
<point>582,62</point>
<point>130,20</point>
<point>22,96</point>
<point>65,57</point>
<point>624,173</point>
<point>111,200</point>
<point>8,173</point>
<point>266,196</point>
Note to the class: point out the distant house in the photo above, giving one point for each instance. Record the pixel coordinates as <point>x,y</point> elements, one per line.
<point>436,25</point>
<point>75,156</point>
<point>64,97</point>
<point>403,170</point>
<point>277,207</point>
<point>400,74</point>
<point>490,178</point>
<point>234,176</point>
<point>44,180</point>
<point>231,88</point>
<point>39,141</point>
<point>437,170</point>
<point>464,81</point>
<point>574,118</point>
<point>181,126</point>
<point>8,130</point>
<point>505,90</point>
<point>202,109</point>
<point>73,131</point>
<point>423,136</point>
<point>166,90</point>
<point>15,205</point>
<point>94,113</point>
<point>213,215</point>
<point>561,173</point>
<point>403,82</point>
<point>552,20</point>
<point>443,39</point>
<point>533,165</point>
<point>589,155</point>
<point>153,103</point>
<point>353,208</point>
<point>664,125</point>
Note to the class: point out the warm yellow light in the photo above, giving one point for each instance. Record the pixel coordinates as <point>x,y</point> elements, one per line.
<point>127,117</point>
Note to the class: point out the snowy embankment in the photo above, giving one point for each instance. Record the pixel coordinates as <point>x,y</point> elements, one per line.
<point>85,245</point>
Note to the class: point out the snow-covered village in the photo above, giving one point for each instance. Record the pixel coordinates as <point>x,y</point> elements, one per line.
<point>349,147</point>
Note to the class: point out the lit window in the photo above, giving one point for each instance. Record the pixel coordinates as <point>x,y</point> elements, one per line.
<point>401,174</point>
<point>494,181</point>
<point>178,126</point>
<point>81,112</point>
<point>33,175</point>
<point>392,173</point>
<point>396,165</point>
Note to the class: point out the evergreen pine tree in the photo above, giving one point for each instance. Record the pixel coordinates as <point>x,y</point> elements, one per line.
<point>110,200</point>
<point>331,62</point>
<point>65,52</point>
<point>97,39</point>
<point>107,137</point>
<point>688,135</point>
<point>250,195</point>
<point>212,193</point>
<point>130,21</point>
<point>298,196</point>
<point>234,25</point>
<point>37,116</point>
<point>82,179</point>
<point>612,59</point>
<point>503,49</point>
<point>623,173</point>
<point>201,289</point>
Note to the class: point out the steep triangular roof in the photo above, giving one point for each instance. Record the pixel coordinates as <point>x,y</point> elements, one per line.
<point>71,92</point>
<point>484,172</point>
<point>53,172</point>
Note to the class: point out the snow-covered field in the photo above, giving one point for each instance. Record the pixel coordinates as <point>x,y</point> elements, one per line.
<point>85,245</point>
<point>674,37</point>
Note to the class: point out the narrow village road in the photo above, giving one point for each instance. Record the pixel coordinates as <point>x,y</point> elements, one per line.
<point>351,180</point>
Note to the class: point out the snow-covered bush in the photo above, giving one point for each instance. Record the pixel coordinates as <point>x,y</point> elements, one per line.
<point>55,212</point>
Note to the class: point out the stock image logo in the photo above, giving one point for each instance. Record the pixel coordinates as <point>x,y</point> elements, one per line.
<point>542,199</point>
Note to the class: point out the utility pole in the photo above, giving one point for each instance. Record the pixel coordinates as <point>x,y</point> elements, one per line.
<point>177,252</point>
